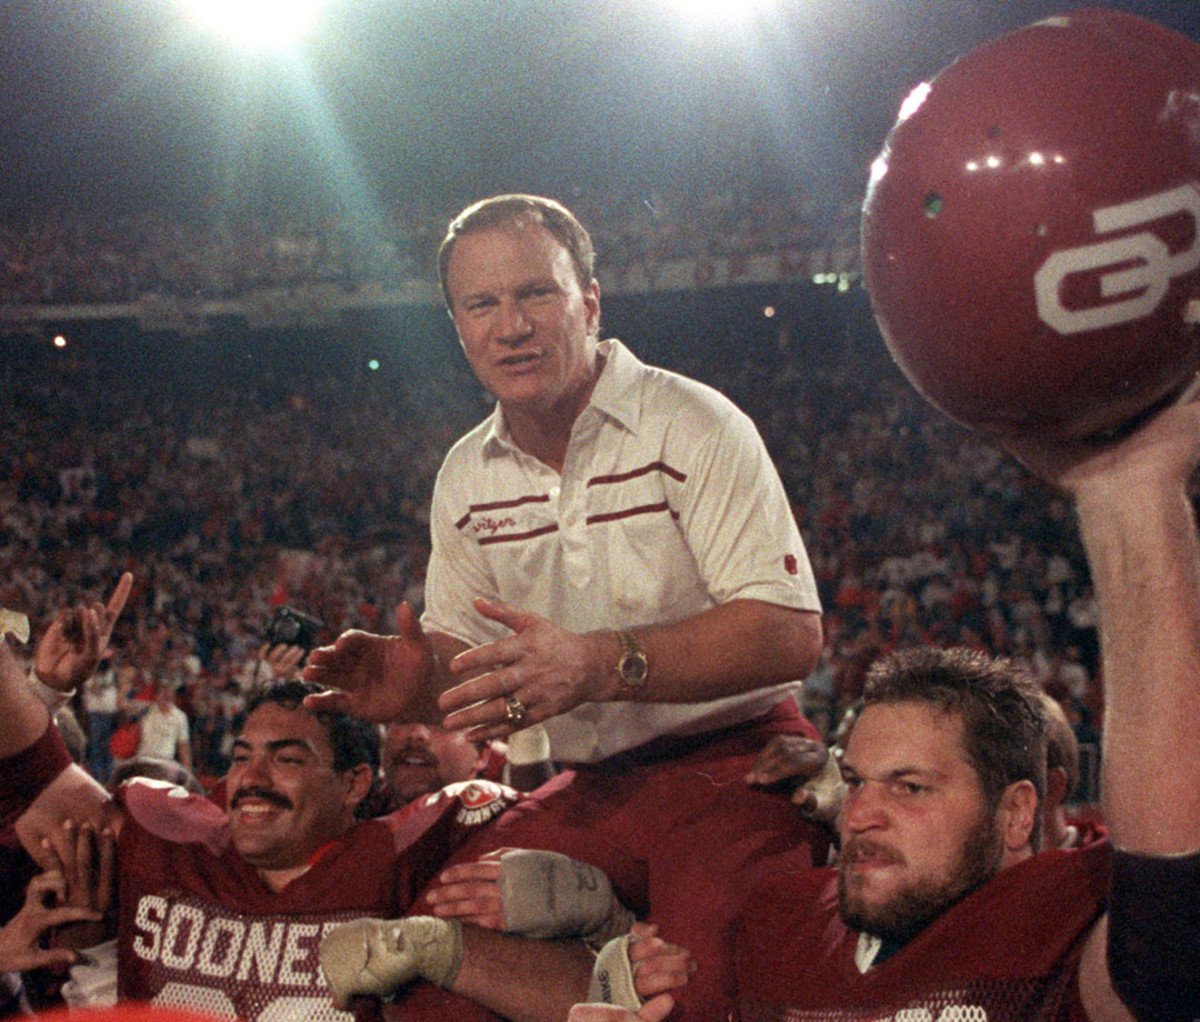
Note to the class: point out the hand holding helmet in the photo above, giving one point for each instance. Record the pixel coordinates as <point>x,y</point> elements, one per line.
<point>1031,233</point>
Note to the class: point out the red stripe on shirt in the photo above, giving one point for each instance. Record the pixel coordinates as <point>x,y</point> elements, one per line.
<point>629,512</point>
<point>654,466</point>
<point>515,536</point>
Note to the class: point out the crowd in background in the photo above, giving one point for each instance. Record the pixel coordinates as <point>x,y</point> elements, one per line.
<point>229,494</point>
<point>62,257</point>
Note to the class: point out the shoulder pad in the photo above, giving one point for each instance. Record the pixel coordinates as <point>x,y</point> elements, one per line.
<point>172,813</point>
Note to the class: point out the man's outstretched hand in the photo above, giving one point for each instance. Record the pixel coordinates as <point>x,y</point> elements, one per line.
<point>374,677</point>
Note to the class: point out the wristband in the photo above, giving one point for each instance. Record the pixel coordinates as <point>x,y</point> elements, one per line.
<point>1154,935</point>
<point>14,623</point>
<point>612,976</point>
<point>93,982</point>
<point>827,789</point>
<point>51,698</point>
<point>547,895</point>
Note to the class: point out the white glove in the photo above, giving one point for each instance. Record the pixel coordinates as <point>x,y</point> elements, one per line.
<point>375,957</point>
<point>547,895</point>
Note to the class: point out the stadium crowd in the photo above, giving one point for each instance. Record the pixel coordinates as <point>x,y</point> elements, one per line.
<point>66,257</point>
<point>312,490</point>
<point>221,490</point>
<point>679,662</point>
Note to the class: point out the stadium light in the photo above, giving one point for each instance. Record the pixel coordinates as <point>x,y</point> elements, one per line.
<point>257,24</point>
<point>720,10</point>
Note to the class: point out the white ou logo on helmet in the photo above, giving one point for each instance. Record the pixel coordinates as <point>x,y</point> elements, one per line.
<point>1148,281</point>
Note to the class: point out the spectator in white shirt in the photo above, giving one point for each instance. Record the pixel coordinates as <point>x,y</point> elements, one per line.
<point>165,729</point>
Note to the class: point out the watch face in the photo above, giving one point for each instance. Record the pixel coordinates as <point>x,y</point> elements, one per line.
<point>633,668</point>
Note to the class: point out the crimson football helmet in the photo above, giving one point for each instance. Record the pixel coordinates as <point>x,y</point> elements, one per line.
<point>1031,230</point>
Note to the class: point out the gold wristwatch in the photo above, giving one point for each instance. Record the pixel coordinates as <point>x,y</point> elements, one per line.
<point>632,667</point>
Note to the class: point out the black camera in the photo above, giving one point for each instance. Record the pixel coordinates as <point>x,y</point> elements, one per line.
<point>289,627</point>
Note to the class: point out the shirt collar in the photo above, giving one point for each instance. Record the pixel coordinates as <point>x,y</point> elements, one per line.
<point>871,951</point>
<point>617,392</point>
<point>497,440</point>
<point>866,950</point>
<point>616,395</point>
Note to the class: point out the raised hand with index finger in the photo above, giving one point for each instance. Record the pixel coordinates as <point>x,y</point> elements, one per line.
<point>72,647</point>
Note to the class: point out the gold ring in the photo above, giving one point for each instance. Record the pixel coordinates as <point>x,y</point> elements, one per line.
<point>514,710</point>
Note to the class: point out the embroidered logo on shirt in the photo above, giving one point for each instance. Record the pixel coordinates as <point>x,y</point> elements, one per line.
<point>492,525</point>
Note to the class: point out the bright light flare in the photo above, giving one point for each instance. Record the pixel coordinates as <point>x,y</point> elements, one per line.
<point>257,24</point>
<point>720,10</point>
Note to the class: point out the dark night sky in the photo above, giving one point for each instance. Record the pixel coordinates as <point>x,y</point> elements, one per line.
<point>123,103</point>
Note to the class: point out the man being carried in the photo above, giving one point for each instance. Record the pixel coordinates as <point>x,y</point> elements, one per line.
<point>614,557</point>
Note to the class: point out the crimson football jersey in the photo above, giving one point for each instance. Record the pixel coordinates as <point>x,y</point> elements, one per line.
<point>1009,952</point>
<point>198,928</point>
<point>679,834</point>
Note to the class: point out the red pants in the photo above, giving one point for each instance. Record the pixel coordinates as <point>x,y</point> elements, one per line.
<point>678,832</point>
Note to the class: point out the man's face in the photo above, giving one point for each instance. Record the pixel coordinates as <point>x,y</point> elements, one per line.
<point>419,759</point>
<point>526,325</point>
<point>286,799</point>
<point>917,835</point>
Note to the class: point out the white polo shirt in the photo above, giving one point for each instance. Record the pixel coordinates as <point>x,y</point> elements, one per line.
<point>668,505</point>
<point>162,732</point>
